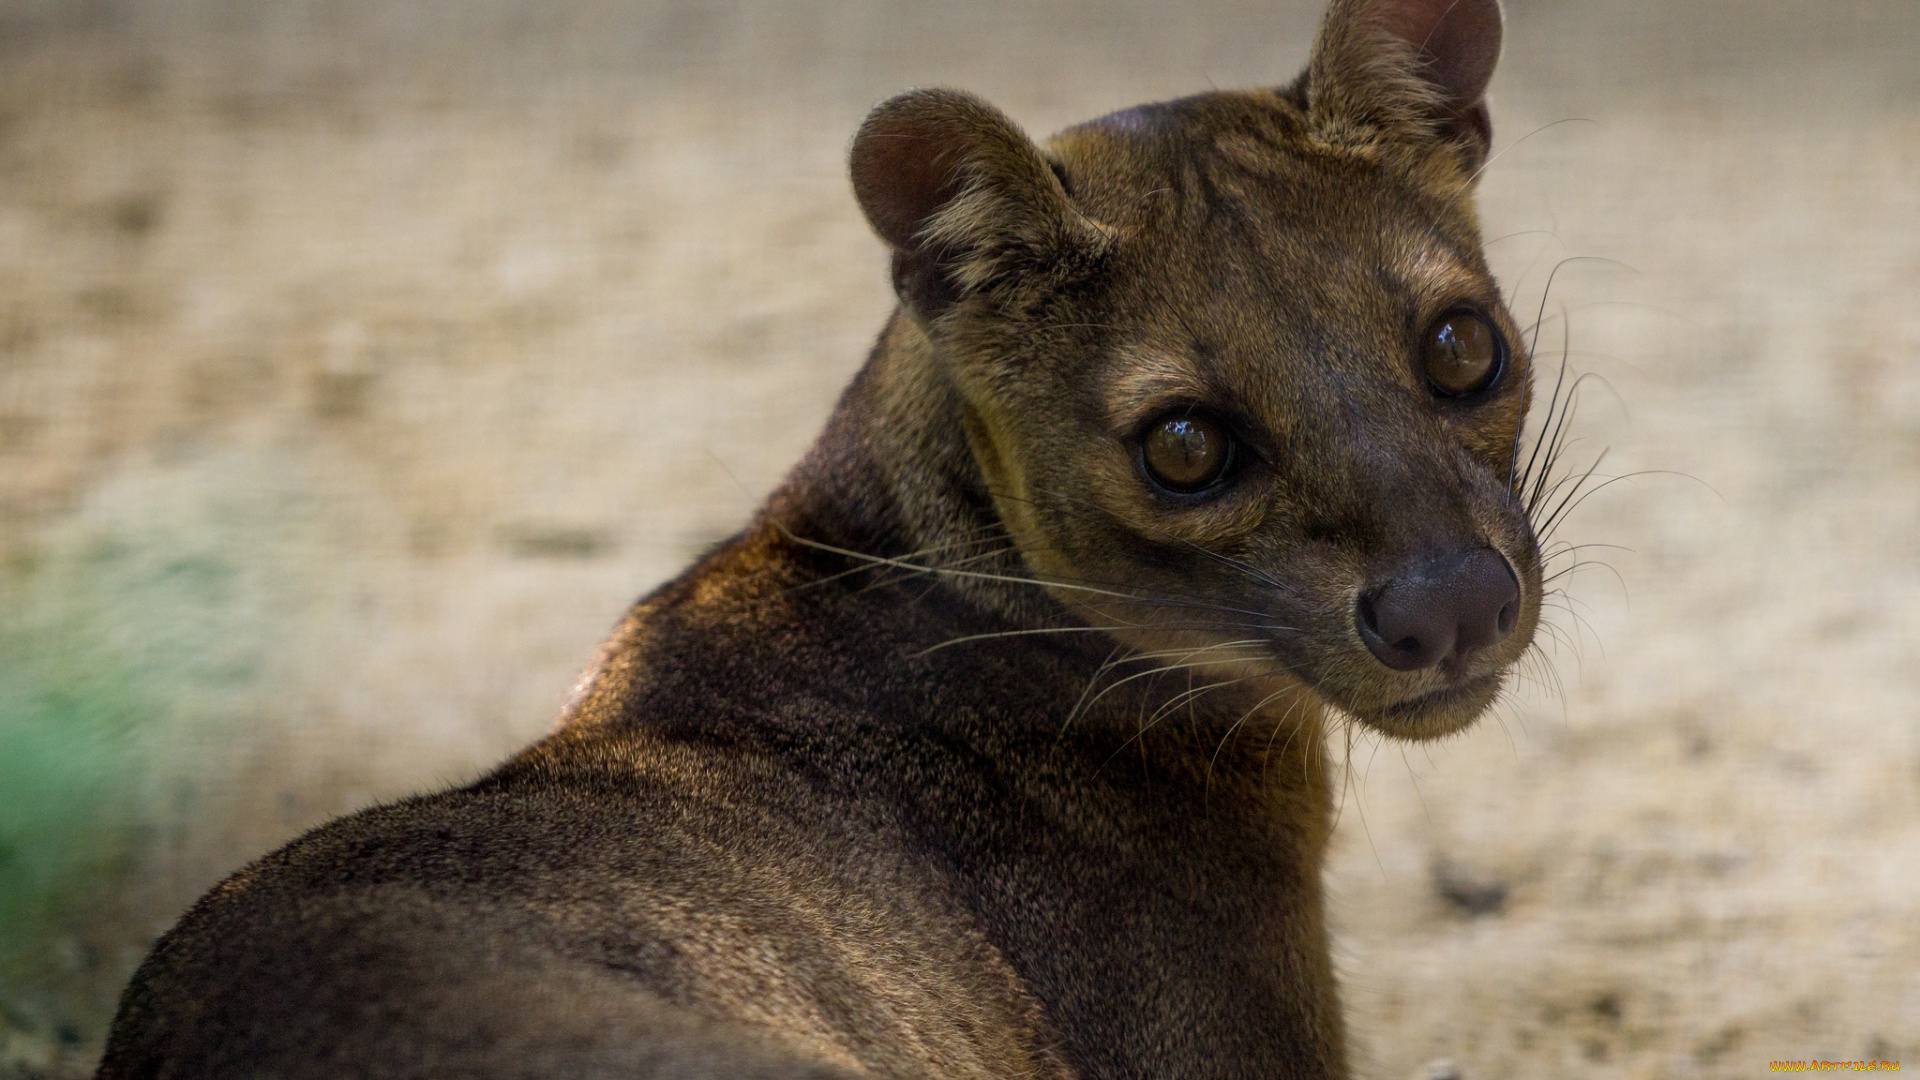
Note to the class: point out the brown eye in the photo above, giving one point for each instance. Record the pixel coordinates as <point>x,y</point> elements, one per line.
<point>1461,354</point>
<point>1185,452</point>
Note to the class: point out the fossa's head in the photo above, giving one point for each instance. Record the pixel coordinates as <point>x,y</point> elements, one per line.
<point>1234,368</point>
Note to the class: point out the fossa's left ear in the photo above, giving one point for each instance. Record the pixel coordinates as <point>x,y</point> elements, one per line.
<point>962,195</point>
<point>1409,68</point>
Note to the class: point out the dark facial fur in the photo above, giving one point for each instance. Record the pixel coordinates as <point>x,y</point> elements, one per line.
<point>994,746</point>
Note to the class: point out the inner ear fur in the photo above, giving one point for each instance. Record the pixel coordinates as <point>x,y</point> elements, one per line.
<point>1413,69</point>
<point>961,194</point>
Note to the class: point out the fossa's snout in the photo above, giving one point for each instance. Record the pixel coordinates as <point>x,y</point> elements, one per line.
<point>1439,610</point>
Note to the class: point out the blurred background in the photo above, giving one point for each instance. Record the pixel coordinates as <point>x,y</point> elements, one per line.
<point>361,361</point>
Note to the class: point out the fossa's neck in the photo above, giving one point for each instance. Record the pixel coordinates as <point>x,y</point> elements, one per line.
<point>893,477</point>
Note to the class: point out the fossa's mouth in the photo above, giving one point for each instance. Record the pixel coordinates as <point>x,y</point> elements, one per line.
<point>1436,712</point>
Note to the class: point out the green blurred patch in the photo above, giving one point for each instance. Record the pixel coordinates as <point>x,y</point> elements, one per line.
<point>71,826</point>
<point>133,638</point>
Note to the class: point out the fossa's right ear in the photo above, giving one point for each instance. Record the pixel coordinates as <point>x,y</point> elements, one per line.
<point>962,196</point>
<point>1409,68</point>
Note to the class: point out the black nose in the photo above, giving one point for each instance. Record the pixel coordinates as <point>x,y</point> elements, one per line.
<point>1441,610</point>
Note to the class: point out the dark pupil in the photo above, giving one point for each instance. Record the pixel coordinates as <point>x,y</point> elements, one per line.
<point>1184,452</point>
<point>1460,356</point>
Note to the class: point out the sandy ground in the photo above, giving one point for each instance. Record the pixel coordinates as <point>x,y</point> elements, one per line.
<point>360,362</point>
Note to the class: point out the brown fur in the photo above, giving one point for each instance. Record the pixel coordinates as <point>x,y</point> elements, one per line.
<point>976,754</point>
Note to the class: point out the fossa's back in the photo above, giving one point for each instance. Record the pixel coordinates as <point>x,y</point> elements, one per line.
<point>993,747</point>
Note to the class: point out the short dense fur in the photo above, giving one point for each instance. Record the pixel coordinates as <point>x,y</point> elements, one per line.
<point>975,755</point>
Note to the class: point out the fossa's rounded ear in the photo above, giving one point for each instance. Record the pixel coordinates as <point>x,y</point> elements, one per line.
<point>962,196</point>
<point>1416,68</point>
